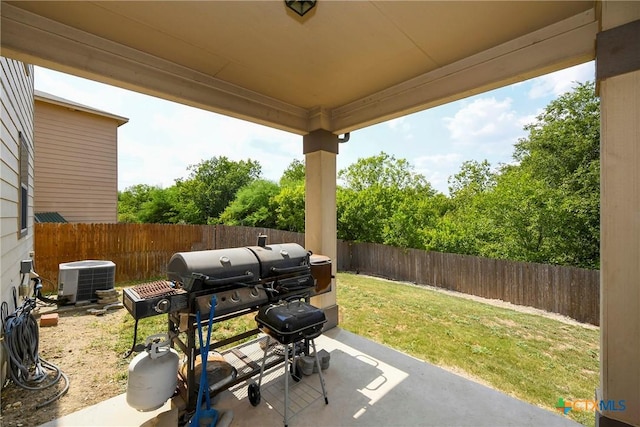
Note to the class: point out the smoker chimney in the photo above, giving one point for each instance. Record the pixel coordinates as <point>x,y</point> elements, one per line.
<point>262,240</point>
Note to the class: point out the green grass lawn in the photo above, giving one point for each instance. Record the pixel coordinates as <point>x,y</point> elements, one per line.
<point>530,357</point>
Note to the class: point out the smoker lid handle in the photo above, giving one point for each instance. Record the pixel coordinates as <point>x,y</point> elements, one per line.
<point>247,276</point>
<point>288,270</point>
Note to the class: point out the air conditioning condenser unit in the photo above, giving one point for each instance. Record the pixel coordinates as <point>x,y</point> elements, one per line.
<point>79,280</point>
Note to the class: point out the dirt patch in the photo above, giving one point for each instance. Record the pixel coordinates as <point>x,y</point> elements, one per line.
<point>81,346</point>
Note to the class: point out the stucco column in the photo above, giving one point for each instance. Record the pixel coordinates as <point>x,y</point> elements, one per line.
<point>618,73</point>
<point>320,150</point>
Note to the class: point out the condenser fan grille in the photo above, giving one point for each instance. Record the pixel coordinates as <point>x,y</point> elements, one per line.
<point>94,279</point>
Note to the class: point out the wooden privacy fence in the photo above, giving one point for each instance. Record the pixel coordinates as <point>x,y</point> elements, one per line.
<point>573,292</point>
<point>142,251</point>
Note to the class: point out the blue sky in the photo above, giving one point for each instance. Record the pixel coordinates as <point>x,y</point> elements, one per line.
<point>163,138</point>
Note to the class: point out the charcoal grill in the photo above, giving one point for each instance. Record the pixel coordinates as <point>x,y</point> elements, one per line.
<point>289,323</point>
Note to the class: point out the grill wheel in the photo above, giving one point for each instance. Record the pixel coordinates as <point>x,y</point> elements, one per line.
<point>254,394</point>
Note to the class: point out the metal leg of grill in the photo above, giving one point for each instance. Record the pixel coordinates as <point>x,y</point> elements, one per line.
<point>294,372</point>
<point>264,361</point>
<point>286,384</point>
<point>324,391</point>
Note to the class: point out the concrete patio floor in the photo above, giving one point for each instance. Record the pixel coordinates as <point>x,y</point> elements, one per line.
<point>368,384</point>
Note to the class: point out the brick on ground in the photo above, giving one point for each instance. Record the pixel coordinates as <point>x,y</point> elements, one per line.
<point>50,319</point>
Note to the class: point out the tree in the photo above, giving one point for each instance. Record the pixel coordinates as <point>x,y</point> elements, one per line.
<point>265,204</point>
<point>362,214</point>
<point>290,207</point>
<point>382,170</point>
<point>143,203</point>
<point>563,151</point>
<point>378,193</point>
<point>543,209</point>
<point>211,186</point>
<point>414,214</point>
<point>162,207</point>
<point>563,145</point>
<point>474,177</point>
<point>522,212</point>
<point>254,205</point>
<point>294,173</point>
<point>130,201</point>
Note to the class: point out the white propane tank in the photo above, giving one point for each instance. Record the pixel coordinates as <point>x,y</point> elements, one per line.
<point>153,374</point>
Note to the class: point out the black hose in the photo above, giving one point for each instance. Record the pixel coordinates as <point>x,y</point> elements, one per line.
<point>37,290</point>
<point>135,338</point>
<point>21,340</point>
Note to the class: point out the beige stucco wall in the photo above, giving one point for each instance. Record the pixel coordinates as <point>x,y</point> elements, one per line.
<point>76,171</point>
<point>16,116</point>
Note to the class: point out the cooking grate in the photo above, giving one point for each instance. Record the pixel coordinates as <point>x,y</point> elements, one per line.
<point>159,288</point>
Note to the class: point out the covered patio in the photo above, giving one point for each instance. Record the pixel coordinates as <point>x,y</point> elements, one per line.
<point>347,65</point>
<point>368,384</point>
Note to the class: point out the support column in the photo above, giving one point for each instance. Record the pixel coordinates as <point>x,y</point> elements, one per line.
<point>321,149</point>
<point>618,74</point>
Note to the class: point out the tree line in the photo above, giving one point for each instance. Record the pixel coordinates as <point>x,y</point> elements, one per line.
<point>542,207</point>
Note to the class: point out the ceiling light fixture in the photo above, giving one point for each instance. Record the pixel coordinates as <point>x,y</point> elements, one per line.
<point>300,6</point>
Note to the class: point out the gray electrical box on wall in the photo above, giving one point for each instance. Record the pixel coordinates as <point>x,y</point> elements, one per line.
<point>26,266</point>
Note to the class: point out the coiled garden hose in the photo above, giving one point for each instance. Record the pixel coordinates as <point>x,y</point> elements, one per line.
<point>21,340</point>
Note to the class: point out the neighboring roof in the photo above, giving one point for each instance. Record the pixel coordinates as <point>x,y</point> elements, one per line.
<point>48,217</point>
<point>52,99</point>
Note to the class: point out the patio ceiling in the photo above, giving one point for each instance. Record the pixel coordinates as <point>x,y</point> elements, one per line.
<point>343,66</point>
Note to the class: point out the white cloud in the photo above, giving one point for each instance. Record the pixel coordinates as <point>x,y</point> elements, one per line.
<point>484,117</point>
<point>395,123</point>
<point>528,119</point>
<point>438,159</point>
<point>485,125</point>
<point>437,179</point>
<point>401,125</point>
<point>562,81</point>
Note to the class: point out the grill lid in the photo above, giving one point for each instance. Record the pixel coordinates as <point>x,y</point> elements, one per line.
<point>285,258</point>
<point>222,265</point>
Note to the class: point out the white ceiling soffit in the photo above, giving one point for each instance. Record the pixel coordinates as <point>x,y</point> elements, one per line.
<point>343,66</point>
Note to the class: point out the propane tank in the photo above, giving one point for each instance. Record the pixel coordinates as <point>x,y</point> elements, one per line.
<point>153,374</point>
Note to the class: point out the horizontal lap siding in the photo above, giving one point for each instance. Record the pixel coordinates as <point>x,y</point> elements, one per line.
<point>76,166</point>
<point>16,115</point>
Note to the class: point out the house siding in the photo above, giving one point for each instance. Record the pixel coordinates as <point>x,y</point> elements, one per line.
<point>76,166</point>
<point>16,115</point>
